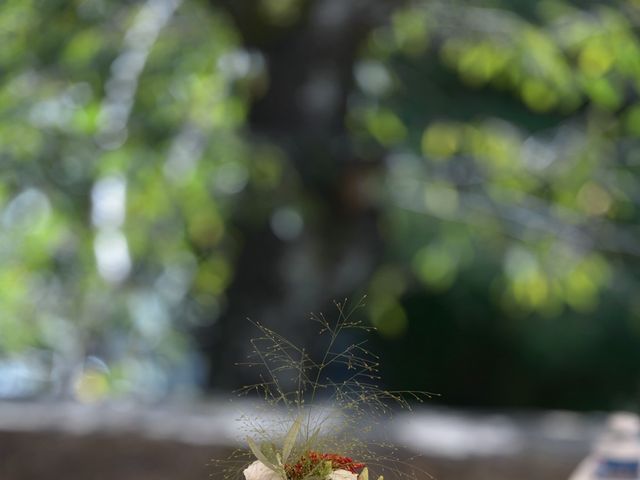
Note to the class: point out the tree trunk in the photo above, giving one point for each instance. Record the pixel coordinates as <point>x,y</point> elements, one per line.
<point>278,283</point>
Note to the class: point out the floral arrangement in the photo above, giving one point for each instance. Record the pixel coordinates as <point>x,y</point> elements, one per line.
<point>323,427</point>
<point>310,465</point>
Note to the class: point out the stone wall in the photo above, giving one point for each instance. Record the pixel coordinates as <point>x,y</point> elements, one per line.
<point>72,442</point>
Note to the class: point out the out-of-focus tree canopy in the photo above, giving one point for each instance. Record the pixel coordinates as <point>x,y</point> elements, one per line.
<point>168,168</point>
<point>121,161</point>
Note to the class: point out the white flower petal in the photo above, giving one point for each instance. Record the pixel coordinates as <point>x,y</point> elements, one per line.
<point>259,471</point>
<point>342,475</point>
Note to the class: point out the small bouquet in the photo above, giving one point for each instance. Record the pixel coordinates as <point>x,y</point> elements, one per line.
<point>310,465</point>
<point>323,431</point>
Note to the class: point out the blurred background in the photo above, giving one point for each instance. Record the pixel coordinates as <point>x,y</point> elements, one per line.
<point>169,168</point>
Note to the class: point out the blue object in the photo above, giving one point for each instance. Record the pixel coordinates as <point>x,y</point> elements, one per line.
<point>610,468</point>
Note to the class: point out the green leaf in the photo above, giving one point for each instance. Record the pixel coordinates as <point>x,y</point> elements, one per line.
<point>314,437</point>
<point>290,438</point>
<point>320,472</point>
<point>257,452</point>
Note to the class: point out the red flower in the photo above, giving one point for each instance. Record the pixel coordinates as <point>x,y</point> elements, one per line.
<point>311,459</point>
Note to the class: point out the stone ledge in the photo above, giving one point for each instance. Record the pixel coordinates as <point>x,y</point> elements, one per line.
<point>80,442</point>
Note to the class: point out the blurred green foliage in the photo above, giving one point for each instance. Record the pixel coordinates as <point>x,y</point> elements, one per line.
<point>120,159</point>
<point>510,146</point>
<point>512,194</point>
<point>516,143</point>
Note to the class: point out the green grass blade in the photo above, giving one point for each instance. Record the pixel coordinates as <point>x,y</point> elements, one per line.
<point>290,438</point>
